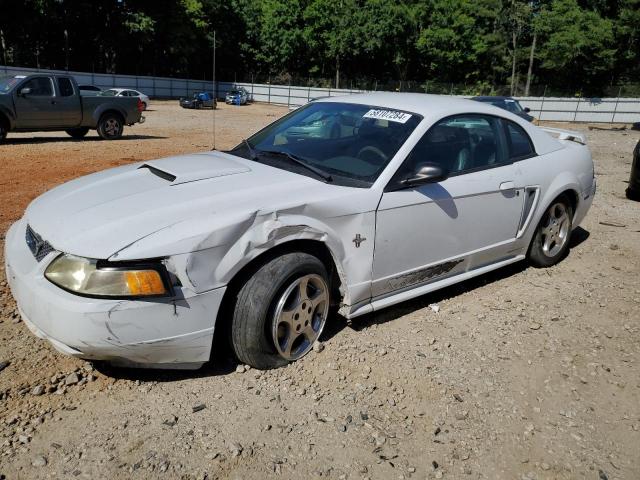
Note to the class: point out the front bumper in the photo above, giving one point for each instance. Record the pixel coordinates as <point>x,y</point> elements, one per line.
<point>157,333</point>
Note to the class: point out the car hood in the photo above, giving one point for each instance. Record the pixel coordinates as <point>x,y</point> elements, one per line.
<point>98,215</point>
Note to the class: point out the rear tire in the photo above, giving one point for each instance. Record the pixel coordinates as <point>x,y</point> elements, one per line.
<point>77,132</point>
<point>550,242</point>
<point>110,126</point>
<point>280,311</point>
<point>144,105</point>
<point>3,130</point>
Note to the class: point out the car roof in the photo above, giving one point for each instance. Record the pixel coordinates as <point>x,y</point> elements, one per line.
<point>489,98</point>
<point>423,104</point>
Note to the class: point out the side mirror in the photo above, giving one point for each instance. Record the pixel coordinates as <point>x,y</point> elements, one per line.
<point>25,91</point>
<point>527,109</point>
<point>426,173</point>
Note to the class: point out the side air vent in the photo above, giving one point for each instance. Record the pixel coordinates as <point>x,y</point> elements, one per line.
<point>530,200</point>
<point>159,173</point>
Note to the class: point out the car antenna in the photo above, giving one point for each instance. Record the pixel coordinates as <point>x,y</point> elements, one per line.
<point>215,96</point>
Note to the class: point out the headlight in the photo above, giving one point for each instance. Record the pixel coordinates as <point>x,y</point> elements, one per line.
<point>86,276</point>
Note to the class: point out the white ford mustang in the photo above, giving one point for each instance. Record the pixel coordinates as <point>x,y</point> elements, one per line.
<point>359,202</point>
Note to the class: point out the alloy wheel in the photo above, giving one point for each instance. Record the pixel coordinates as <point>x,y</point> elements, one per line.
<point>300,316</point>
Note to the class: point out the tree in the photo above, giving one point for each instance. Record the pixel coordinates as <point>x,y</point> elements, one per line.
<point>333,31</point>
<point>456,39</point>
<point>578,46</point>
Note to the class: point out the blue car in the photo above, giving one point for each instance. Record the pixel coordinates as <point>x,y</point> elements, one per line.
<point>199,100</point>
<point>237,96</point>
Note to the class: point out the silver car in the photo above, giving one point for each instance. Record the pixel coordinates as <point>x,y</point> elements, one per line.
<point>144,263</point>
<point>126,92</point>
<point>237,96</point>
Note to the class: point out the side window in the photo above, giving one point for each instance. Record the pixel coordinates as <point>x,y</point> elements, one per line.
<point>519,142</point>
<point>459,144</point>
<point>40,87</point>
<point>65,86</point>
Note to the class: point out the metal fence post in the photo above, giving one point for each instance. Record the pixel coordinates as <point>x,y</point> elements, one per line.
<point>615,109</point>
<point>544,93</point>
<point>269,98</point>
<point>575,115</point>
<point>113,80</point>
<point>308,94</point>
<point>154,87</point>
<point>252,87</point>
<point>289,95</point>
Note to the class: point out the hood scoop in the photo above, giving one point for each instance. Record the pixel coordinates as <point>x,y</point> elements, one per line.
<point>191,168</point>
<point>159,173</point>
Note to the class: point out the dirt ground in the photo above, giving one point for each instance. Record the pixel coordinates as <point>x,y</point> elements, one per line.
<point>522,374</point>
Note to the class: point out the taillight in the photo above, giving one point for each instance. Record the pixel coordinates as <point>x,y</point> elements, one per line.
<point>140,106</point>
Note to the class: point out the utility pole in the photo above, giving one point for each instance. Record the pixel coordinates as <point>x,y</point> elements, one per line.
<point>215,92</point>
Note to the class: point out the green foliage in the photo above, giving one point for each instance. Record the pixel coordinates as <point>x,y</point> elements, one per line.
<point>581,44</point>
<point>577,44</point>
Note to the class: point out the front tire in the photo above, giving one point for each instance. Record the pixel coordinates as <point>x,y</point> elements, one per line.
<point>281,311</point>
<point>3,131</point>
<point>77,132</point>
<point>110,126</point>
<point>551,241</point>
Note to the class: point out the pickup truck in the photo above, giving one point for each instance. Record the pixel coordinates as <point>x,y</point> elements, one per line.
<point>44,102</point>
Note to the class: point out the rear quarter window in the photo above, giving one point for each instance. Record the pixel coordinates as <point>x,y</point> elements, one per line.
<point>520,145</point>
<point>65,86</point>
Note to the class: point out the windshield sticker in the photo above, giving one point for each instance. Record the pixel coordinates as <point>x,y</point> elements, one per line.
<point>390,115</point>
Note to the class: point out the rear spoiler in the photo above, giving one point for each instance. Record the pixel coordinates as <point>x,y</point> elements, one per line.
<point>566,135</point>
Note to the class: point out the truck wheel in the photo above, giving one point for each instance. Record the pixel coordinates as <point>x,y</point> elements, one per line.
<point>77,132</point>
<point>110,126</point>
<point>280,311</point>
<point>3,130</point>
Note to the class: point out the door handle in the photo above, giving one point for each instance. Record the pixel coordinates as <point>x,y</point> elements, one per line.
<point>507,186</point>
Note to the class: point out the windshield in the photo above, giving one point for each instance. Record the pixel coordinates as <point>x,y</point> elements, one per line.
<point>234,92</point>
<point>350,142</point>
<point>108,93</point>
<point>7,83</point>
<point>512,106</point>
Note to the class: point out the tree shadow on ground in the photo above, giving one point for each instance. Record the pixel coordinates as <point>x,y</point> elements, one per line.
<point>223,362</point>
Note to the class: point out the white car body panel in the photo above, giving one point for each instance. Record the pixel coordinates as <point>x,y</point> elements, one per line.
<point>449,209</point>
<point>209,215</point>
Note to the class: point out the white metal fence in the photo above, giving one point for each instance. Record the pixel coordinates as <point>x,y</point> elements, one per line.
<point>597,110</point>
<point>156,87</point>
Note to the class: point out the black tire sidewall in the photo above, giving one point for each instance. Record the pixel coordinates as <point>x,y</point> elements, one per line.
<point>536,255</point>
<point>102,122</point>
<point>251,328</point>
<point>77,132</point>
